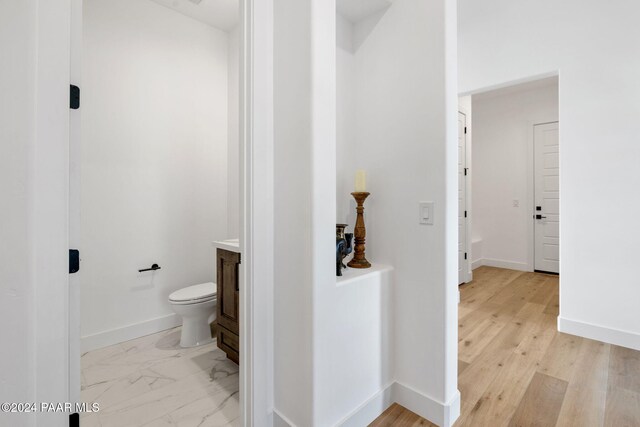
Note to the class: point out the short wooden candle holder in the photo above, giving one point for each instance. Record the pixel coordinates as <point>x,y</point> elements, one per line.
<point>360,232</point>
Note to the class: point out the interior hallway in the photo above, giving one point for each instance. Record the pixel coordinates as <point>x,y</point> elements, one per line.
<point>515,369</point>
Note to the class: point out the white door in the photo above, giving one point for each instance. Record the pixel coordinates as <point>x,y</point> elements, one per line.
<point>463,266</point>
<point>547,198</point>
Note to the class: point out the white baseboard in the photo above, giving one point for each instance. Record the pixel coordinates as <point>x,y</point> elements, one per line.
<point>129,332</point>
<point>361,416</point>
<point>600,333</point>
<point>442,414</point>
<point>280,420</point>
<point>500,263</point>
<point>369,410</point>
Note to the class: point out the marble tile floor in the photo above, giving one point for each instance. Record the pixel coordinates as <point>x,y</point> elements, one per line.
<point>153,382</point>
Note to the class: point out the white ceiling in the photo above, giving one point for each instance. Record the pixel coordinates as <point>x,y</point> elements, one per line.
<point>517,88</point>
<point>222,14</point>
<point>356,10</point>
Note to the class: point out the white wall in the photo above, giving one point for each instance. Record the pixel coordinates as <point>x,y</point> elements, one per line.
<point>403,130</point>
<point>293,195</point>
<point>357,360</point>
<point>361,304</point>
<point>34,168</point>
<point>18,48</point>
<point>333,342</point>
<point>344,327</point>
<point>395,120</point>
<point>233,147</point>
<point>154,163</point>
<point>502,166</point>
<point>593,46</point>
<point>346,160</point>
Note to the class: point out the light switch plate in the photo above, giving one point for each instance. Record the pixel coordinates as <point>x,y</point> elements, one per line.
<point>425,213</point>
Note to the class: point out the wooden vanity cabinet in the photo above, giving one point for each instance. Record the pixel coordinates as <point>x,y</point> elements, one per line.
<point>228,314</point>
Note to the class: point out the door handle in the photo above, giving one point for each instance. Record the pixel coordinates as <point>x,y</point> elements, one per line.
<point>540,217</point>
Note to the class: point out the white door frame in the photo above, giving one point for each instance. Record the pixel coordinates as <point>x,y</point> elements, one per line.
<point>256,230</point>
<point>463,270</point>
<point>75,147</point>
<point>468,192</point>
<point>48,199</point>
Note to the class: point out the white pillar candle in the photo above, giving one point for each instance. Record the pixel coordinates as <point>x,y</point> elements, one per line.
<point>361,181</point>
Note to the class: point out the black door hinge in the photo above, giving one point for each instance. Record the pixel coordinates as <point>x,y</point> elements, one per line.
<point>465,255</point>
<point>74,97</point>
<point>465,214</point>
<point>465,171</point>
<point>74,420</point>
<point>465,130</point>
<point>74,261</point>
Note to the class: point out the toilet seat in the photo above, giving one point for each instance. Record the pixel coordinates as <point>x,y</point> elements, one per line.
<point>195,294</point>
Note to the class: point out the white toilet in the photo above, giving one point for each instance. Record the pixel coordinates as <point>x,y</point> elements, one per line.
<point>197,306</point>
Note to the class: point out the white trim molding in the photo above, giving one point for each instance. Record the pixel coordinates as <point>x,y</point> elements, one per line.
<point>476,263</point>
<point>443,414</point>
<point>280,420</point>
<point>618,337</point>
<point>371,409</point>
<point>129,332</point>
<point>500,263</point>
<point>256,230</point>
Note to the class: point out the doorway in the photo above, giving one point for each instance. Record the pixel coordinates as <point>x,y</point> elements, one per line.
<point>515,138</point>
<point>256,28</point>
<point>515,216</point>
<point>159,171</point>
<point>547,198</point>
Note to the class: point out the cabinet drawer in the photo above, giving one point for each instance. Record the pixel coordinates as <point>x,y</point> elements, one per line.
<point>229,343</point>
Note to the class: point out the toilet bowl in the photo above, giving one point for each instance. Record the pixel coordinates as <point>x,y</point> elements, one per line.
<point>197,306</point>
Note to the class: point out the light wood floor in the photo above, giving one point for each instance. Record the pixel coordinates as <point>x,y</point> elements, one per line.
<point>515,369</point>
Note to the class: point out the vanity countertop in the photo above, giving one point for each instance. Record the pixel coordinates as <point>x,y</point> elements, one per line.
<point>232,245</point>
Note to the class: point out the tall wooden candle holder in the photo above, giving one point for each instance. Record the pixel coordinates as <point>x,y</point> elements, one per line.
<point>360,232</point>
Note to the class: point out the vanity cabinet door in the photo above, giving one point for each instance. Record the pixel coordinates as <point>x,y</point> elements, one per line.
<point>229,343</point>
<point>228,290</point>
